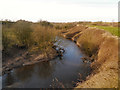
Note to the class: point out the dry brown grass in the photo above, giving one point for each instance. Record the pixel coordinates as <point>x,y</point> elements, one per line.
<point>75,37</point>
<point>90,40</point>
<point>104,47</point>
<point>73,31</point>
<point>29,35</point>
<point>108,51</point>
<point>43,37</point>
<point>104,79</point>
<point>106,64</point>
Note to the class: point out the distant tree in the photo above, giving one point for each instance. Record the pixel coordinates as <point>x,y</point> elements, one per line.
<point>45,23</point>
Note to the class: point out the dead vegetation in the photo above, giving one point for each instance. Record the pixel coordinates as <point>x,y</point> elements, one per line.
<point>98,44</point>
<point>103,48</point>
<point>27,35</point>
<point>73,31</point>
<point>23,41</point>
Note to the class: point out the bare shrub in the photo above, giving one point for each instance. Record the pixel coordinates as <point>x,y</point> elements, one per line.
<point>43,36</point>
<point>23,33</point>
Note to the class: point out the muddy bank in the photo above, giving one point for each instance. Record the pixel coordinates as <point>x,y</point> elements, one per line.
<point>102,48</point>
<point>24,57</point>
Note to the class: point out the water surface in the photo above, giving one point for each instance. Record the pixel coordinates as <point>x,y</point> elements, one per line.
<point>42,75</point>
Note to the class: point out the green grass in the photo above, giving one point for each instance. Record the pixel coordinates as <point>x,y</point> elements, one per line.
<point>112,30</point>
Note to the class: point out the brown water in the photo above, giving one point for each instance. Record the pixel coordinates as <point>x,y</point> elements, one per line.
<point>42,75</point>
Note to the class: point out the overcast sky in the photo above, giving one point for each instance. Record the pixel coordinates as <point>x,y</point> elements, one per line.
<point>59,10</point>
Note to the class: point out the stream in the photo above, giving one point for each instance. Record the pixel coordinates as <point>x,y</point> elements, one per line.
<point>60,71</point>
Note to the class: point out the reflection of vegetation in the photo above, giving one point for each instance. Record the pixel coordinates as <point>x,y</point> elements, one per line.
<point>45,69</point>
<point>24,73</point>
<point>9,80</point>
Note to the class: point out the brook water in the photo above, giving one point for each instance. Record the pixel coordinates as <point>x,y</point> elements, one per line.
<point>65,70</point>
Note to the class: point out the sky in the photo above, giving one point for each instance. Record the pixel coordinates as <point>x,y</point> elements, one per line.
<point>59,10</point>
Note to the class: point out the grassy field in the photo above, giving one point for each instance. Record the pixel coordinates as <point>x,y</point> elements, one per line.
<point>111,29</point>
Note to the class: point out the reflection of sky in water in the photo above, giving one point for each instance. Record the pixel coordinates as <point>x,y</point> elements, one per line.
<point>41,75</point>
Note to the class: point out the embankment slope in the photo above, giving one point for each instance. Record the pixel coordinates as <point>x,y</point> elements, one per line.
<point>102,47</point>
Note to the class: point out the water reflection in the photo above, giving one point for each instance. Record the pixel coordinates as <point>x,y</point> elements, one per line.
<point>24,73</point>
<point>46,69</point>
<point>41,75</point>
<point>9,79</point>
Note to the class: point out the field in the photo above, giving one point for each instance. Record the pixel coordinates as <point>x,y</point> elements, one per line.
<point>113,30</point>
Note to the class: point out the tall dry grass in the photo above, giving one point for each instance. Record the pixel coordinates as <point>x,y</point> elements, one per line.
<point>23,33</point>
<point>104,47</point>
<point>43,36</point>
<point>7,38</point>
<point>31,36</point>
<point>90,40</point>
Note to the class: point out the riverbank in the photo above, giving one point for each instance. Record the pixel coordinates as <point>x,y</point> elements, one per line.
<point>102,48</point>
<point>24,57</point>
<point>56,73</point>
<point>26,43</point>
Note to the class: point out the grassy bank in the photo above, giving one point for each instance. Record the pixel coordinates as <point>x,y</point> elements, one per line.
<point>102,48</point>
<point>111,29</point>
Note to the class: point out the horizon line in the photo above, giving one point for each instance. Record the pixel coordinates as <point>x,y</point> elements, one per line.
<point>59,21</point>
